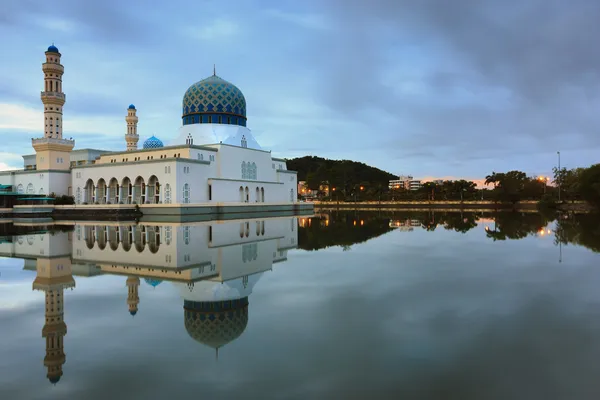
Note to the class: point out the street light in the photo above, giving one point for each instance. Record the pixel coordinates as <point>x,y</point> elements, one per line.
<point>559,178</point>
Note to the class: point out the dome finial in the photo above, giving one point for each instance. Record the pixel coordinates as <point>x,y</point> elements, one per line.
<point>214,69</point>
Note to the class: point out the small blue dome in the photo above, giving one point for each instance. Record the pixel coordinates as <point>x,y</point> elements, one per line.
<point>153,282</point>
<point>131,107</point>
<point>53,49</point>
<point>153,143</point>
<point>54,379</point>
<point>133,312</point>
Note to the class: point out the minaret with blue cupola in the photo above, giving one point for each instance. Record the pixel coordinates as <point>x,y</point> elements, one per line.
<point>133,298</point>
<point>52,151</point>
<point>131,137</point>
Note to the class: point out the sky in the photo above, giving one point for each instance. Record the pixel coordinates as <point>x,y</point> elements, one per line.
<point>427,88</point>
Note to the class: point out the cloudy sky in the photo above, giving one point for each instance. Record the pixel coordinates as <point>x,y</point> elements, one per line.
<point>413,87</point>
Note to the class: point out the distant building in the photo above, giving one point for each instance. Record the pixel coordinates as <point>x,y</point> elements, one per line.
<point>405,182</point>
<point>438,181</point>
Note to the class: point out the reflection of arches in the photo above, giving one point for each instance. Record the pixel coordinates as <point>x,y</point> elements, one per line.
<point>242,230</point>
<point>292,195</point>
<point>249,252</point>
<point>241,194</point>
<point>101,191</point>
<point>89,235</point>
<point>153,190</point>
<point>20,189</point>
<point>262,228</point>
<point>101,236</point>
<point>247,229</point>
<point>257,228</point>
<point>78,195</point>
<point>168,235</point>
<point>262,194</point>
<point>247,192</point>
<point>89,192</point>
<point>127,189</point>
<point>140,238</point>
<point>113,238</point>
<point>154,240</point>
<point>41,191</point>
<point>113,191</point>
<point>139,191</point>
<point>127,238</point>
<point>186,234</point>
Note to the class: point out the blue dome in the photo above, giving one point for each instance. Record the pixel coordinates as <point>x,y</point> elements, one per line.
<point>214,100</point>
<point>152,282</point>
<point>131,107</point>
<point>54,379</point>
<point>153,143</point>
<point>53,49</point>
<point>133,312</point>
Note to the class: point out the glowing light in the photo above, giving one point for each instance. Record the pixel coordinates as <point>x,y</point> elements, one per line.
<point>362,222</point>
<point>362,188</point>
<point>354,223</point>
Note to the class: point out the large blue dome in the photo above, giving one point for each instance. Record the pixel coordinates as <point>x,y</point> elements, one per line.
<point>153,143</point>
<point>53,49</point>
<point>214,100</point>
<point>131,107</point>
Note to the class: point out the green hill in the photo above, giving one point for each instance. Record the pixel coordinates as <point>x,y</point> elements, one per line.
<point>339,173</point>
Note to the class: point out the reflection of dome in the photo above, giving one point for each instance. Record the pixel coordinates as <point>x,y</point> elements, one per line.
<point>133,312</point>
<point>53,49</point>
<point>152,282</point>
<point>153,143</point>
<point>216,323</point>
<point>54,379</point>
<point>131,107</point>
<point>214,100</point>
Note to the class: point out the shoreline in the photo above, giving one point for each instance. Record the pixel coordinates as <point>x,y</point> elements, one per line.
<point>526,206</point>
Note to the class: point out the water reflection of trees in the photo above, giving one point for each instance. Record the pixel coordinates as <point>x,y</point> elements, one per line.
<point>345,228</point>
<point>513,225</point>
<point>340,229</point>
<point>579,229</point>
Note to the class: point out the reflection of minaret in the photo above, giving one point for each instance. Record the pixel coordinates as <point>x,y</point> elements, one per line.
<point>133,299</point>
<point>53,276</point>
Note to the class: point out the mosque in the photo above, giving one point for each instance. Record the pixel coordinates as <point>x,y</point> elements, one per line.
<point>214,159</point>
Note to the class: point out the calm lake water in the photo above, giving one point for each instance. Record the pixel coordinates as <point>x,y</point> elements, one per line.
<point>343,305</point>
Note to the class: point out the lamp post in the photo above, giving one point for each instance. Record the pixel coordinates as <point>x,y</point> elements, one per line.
<point>559,175</point>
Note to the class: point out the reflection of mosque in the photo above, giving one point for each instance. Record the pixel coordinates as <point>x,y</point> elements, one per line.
<point>214,264</point>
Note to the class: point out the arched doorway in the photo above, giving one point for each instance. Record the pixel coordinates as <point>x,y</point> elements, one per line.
<point>153,190</point>
<point>113,191</point>
<point>257,194</point>
<point>101,192</point>
<point>247,193</point>
<point>89,192</point>
<point>127,190</point>
<point>139,191</point>
<point>241,194</point>
<point>262,194</point>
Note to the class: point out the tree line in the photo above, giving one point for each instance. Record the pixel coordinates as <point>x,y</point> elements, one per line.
<point>348,180</point>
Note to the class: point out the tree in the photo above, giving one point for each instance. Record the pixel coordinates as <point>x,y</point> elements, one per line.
<point>589,185</point>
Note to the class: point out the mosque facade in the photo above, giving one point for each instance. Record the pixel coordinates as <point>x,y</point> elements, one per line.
<point>213,159</point>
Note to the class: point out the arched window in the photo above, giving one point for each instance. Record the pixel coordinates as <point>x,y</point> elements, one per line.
<point>244,170</point>
<point>20,189</point>
<point>78,195</point>
<point>167,194</point>
<point>247,195</point>
<point>253,171</point>
<point>262,194</point>
<point>30,189</point>
<point>257,194</point>
<point>186,234</point>
<point>292,195</point>
<point>41,191</point>
<point>186,193</point>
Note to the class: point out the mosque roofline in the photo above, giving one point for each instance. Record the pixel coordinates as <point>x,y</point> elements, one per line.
<point>33,171</point>
<point>246,242</point>
<point>245,148</point>
<point>74,151</point>
<point>162,278</point>
<point>278,159</point>
<point>212,279</point>
<point>279,260</point>
<point>177,146</point>
<point>157,161</point>
<point>99,262</point>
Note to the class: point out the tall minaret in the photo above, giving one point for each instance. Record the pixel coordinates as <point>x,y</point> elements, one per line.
<point>53,276</point>
<point>133,299</point>
<point>131,137</point>
<point>52,151</point>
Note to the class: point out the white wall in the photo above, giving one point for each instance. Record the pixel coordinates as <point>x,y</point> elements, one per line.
<point>42,182</point>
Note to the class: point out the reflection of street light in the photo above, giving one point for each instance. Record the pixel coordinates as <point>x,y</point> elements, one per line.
<point>559,177</point>
<point>362,188</point>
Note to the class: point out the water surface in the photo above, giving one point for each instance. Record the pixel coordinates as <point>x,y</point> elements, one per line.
<point>343,305</point>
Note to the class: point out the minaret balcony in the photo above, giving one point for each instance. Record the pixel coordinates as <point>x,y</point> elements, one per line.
<point>54,95</point>
<point>47,143</point>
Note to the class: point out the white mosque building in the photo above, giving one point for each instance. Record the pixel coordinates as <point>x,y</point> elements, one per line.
<point>214,159</point>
